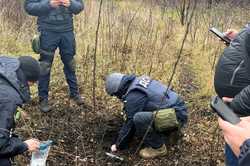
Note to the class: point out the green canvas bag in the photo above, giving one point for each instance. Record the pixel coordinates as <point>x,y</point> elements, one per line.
<point>165,119</point>
<point>36,46</point>
<point>35,43</point>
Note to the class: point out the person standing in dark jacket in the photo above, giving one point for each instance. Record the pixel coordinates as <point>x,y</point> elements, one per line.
<point>16,74</point>
<point>232,78</point>
<point>238,138</point>
<point>55,24</point>
<point>142,96</point>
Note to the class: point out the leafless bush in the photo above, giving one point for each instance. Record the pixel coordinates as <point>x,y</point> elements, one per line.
<point>134,36</point>
<point>12,12</point>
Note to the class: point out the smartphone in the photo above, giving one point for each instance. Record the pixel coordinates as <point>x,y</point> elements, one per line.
<point>221,35</point>
<point>223,110</point>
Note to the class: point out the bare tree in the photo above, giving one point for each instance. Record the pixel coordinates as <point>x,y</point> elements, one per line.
<point>94,56</point>
<point>183,10</point>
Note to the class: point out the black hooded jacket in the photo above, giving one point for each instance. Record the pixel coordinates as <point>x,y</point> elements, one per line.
<point>14,91</point>
<point>232,75</point>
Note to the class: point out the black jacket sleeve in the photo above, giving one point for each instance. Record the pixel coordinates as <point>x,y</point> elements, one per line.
<point>37,7</point>
<point>135,102</point>
<point>9,146</point>
<point>244,157</point>
<point>241,102</point>
<point>76,6</point>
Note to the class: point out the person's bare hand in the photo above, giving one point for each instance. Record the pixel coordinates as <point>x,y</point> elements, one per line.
<point>227,99</point>
<point>66,3</point>
<point>235,135</point>
<point>24,115</point>
<point>231,33</point>
<point>33,144</point>
<point>113,148</point>
<point>245,119</point>
<point>55,3</point>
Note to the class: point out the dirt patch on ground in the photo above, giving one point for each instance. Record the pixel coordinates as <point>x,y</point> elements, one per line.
<point>82,137</point>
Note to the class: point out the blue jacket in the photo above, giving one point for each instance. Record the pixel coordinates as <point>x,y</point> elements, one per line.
<point>143,94</point>
<point>14,91</point>
<point>53,19</point>
<point>159,96</point>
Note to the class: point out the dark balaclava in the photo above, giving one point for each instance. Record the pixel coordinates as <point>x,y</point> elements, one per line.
<point>125,83</point>
<point>30,67</point>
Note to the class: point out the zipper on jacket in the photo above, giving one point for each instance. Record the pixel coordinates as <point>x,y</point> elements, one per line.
<point>235,72</point>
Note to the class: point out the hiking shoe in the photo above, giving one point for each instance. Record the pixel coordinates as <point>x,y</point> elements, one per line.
<point>77,99</point>
<point>149,153</point>
<point>44,106</point>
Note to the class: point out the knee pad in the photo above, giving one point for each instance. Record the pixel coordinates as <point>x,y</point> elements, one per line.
<point>137,118</point>
<point>45,67</point>
<point>142,121</point>
<point>3,140</point>
<point>142,117</point>
<point>72,65</point>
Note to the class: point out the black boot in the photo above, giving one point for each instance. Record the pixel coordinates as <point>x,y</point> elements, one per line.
<point>78,100</point>
<point>44,106</point>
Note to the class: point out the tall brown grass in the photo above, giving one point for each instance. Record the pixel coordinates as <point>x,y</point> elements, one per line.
<point>135,37</point>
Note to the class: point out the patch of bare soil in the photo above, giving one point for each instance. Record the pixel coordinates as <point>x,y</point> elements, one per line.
<point>82,137</point>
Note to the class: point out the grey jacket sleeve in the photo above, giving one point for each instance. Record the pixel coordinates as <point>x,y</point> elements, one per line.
<point>241,102</point>
<point>37,7</point>
<point>76,6</point>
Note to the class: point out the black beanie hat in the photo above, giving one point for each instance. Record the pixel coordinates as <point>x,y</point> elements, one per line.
<point>30,68</point>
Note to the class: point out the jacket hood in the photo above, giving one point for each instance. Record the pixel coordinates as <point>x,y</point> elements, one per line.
<point>9,71</point>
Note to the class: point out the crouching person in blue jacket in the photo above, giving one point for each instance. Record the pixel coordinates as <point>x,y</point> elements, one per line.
<point>16,74</point>
<point>150,107</point>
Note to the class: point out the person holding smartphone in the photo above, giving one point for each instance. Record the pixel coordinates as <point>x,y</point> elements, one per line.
<point>231,72</point>
<point>238,138</point>
<point>232,78</point>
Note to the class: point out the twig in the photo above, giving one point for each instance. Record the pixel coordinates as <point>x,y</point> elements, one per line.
<point>28,126</point>
<point>182,44</point>
<point>126,37</point>
<point>94,57</point>
<point>94,67</point>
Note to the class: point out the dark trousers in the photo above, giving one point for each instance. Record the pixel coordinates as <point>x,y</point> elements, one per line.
<point>142,121</point>
<point>5,162</point>
<point>49,42</point>
<point>231,158</point>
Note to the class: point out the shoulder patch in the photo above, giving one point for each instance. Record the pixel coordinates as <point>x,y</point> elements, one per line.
<point>144,82</point>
